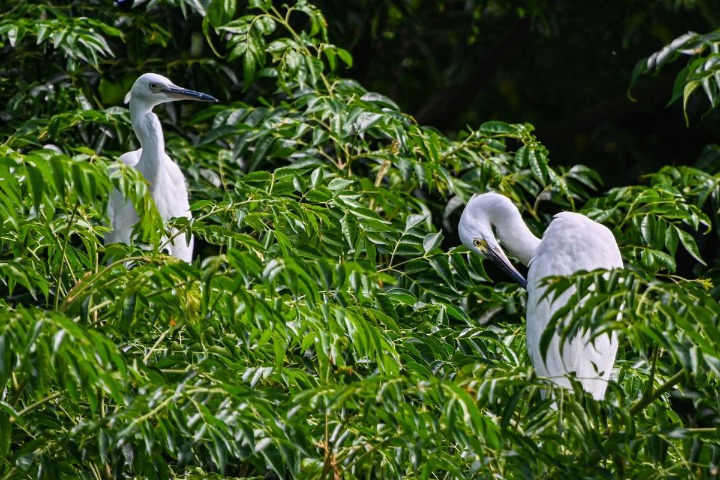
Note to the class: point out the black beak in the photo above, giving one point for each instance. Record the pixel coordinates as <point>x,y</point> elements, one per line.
<point>185,94</point>
<point>498,258</point>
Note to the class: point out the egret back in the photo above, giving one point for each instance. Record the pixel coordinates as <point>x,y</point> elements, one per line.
<point>120,212</point>
<point>571,243</point>
<point>131,158</point>
<point>171,199</point>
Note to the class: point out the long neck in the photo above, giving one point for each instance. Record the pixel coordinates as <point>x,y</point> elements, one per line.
<point>149,131</point>
<point>515,236</point>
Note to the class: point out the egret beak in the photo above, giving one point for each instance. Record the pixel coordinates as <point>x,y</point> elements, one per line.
<point>498,258</point>
<point>178,93</point>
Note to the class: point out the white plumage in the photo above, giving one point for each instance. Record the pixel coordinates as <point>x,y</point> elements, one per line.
<point>166,180</point>
<point>571,243</point>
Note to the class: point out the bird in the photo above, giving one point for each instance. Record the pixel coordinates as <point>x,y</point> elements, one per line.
<point>571,243</point>
<point>166,180</point>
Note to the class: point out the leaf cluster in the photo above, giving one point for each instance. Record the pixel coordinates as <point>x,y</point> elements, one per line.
<point>330,326</point>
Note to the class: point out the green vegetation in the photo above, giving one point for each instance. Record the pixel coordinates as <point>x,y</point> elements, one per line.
<point>330,326</point>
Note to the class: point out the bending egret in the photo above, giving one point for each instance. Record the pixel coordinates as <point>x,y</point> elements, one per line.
<point>571,243</point>
<point>167,183</point>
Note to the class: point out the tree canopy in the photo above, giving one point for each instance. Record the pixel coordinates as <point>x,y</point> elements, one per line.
<point>330,325</point>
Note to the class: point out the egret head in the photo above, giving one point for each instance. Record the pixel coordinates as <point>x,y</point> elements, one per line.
<point>477,226</point>
<point>152,89</point>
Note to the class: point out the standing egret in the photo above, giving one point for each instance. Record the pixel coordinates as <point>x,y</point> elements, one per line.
<point>166,181</point>
<point>571,243</point>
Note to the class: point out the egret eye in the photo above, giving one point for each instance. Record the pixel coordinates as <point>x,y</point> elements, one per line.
<point>153,86</point>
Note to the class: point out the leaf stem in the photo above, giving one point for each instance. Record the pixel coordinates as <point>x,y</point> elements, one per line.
<point>83,285</point>
<point>653,395</point>
<point>62,256</point>
<point>39,403</point>
<point>159,340</point>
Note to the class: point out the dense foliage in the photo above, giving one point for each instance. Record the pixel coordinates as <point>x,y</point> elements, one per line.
<point>329,326</point>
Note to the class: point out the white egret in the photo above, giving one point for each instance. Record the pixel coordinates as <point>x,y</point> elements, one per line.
<point>571,243</point>
<point>165,179</point>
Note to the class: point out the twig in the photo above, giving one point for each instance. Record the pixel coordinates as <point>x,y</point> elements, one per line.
<point>63,259</point>
<point>647,399</point>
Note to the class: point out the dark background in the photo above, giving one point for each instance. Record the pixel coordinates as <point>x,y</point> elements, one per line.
<point>563,66</point>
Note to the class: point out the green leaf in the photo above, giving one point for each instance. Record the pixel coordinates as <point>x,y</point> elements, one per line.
<point>413,221</point>
<point>689,89</point>
<point>431,241</point>
<point>261,4</point>
<point>495,128</point>
<point>5,435</point>
<point>345,57</point>
<point>221,12</point>
<point>37,185</point>
<point>689,243</point>
<point>249,68</point>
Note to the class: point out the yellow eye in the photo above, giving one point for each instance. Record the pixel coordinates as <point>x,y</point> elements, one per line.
<point>480,244</point>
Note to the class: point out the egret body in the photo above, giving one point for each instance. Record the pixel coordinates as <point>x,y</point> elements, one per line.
<point>166,181</point>
<point>571,243</point>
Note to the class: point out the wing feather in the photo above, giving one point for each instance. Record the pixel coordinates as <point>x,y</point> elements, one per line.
<point>571,243</point>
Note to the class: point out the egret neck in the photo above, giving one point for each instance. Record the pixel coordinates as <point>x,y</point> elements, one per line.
<point>514,234</point>
<point>149,131</point>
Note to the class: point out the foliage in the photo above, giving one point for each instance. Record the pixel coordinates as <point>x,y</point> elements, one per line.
<point>329,326</point>
<point>702,70</point>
